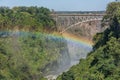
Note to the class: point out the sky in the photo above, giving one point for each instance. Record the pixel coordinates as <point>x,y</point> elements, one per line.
<point>61,5</point>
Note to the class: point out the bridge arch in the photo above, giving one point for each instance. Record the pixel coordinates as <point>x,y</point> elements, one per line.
<point>73,25</point>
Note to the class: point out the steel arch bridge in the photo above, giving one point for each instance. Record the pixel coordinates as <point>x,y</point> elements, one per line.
<point>67,21</point>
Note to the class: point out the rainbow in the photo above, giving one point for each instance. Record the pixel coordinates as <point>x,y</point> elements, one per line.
<point>77,39</point>
<point>70,37</point>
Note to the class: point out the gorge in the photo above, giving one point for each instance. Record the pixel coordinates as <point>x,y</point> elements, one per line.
<point>79,44</point>
<point>36,44</point>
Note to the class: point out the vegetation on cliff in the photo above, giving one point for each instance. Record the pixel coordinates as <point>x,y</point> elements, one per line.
<point>103,63</point>
<point>24,50</point>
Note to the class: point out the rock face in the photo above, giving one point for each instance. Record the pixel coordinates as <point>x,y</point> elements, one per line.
<point>87,29</point>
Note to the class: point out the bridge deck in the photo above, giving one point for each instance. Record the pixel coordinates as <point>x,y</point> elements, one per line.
<point>77,14</point>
